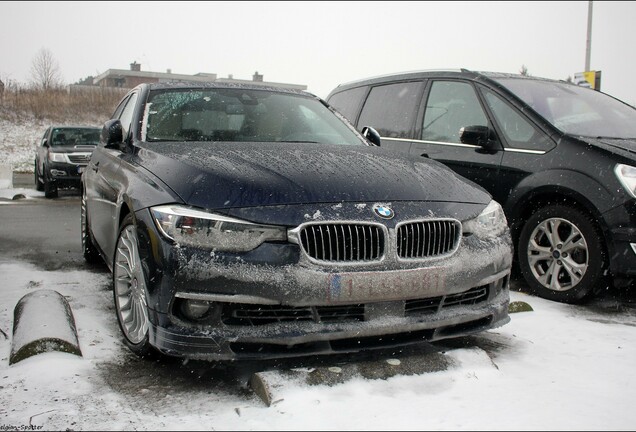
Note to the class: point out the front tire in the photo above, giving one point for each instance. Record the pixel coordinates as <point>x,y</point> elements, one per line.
<point>38,180</point>
<point>130,292</point>
<point>562,255</point>
<point>50,188</point>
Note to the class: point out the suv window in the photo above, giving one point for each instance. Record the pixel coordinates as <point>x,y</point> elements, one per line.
<point>518,132</point>
<point>391,109</point>
<point>348,102</point>
<point>451,105</point>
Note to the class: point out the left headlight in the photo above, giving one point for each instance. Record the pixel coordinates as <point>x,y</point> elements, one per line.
<point>627,176</point>
<point>188,226</point>
<point>490,222</point>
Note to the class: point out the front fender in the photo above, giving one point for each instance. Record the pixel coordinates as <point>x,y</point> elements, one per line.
<point>595,196</point>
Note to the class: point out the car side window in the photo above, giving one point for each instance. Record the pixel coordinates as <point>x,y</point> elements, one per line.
<point>391,109</point>
<point>348,102</point>
<point>450,106</point>
<point>127,114</point>
<point>518,131</point>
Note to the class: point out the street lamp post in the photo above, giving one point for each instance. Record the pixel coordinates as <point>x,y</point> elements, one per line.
<point>589,37</point>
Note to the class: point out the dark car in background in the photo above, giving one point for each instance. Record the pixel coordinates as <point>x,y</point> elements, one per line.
<point>255,222</point>
<point>561,159</point>
<point>62,155</point>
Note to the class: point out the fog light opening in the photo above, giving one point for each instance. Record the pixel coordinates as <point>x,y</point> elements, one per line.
<point>195,309</point>
<point>57,173</point>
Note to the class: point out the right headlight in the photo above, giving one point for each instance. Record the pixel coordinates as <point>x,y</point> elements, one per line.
<point>627,176</point>
<point>490,222</point>
<point>188,226</point>
<point>57,157</point>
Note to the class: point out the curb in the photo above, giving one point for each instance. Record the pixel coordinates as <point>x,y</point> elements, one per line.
<point>43,322</point>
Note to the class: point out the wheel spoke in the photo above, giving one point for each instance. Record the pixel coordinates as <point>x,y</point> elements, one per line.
<point>574,242</point>
<point>555,271</point>
<point>574,269</point>
<point>552,231</point>
<point>537,252</point>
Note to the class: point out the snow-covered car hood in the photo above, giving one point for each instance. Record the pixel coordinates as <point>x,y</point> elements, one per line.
<point>235,175</point>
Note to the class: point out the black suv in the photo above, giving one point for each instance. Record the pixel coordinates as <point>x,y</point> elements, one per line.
<point>62,155</point>
<point>560,158</point>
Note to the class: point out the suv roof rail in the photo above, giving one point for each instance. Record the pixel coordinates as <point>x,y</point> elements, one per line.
<point>402,73</point>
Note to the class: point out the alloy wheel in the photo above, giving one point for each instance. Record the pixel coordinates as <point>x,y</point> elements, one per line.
<point>557,254</point>
<point>130,287</point>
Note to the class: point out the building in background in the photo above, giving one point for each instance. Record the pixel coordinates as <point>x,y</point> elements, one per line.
<point>122,78</point>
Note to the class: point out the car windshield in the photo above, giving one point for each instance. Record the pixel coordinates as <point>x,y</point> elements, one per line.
<point>576,110</point>
<point>239,115</point>
<point>75,136</point>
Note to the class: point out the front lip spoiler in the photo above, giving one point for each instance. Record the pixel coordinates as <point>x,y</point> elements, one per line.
<point>297,339</point>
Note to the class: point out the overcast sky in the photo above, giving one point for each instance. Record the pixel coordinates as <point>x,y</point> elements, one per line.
<point>322,44</point>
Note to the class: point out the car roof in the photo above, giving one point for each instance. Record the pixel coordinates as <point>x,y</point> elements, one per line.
<point>437,73</point>
<point>211,85</point>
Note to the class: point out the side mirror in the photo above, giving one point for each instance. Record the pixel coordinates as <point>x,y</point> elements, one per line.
<point>481,136</point>
<point>371,135</point>
<point>112,135</point>
<point>45,143</point>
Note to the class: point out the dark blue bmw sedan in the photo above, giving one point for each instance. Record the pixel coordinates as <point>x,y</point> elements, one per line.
<point>255,222</point>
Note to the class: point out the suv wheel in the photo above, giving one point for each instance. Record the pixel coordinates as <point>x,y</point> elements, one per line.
<point>129,288</point>
<point>38,180</point>
<point>50,188</point>
<point>91,255</point>
<point>561,254</point>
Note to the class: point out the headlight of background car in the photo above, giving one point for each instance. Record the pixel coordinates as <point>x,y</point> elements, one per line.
<point>57,157</point>
<point>199,228</point>
<point>627,176</point>
<point>490,222</point>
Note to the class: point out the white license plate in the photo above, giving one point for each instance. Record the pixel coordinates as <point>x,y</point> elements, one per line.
<point>385,286</point>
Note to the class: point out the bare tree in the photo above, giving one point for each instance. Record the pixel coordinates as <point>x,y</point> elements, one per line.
<point>45,71</point>
<point>524,71</point>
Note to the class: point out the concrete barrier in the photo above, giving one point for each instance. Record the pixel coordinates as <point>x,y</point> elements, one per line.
<point>6,176</point>
<point>270,385</point>
<point>43,322</point>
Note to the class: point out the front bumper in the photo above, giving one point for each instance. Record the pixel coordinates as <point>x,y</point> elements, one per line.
<point>390,328</point>
<point>621,240</point>
<point>65,174</point>
<point>273,302</point>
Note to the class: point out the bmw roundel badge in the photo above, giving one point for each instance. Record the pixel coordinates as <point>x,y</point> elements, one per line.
<point>383,211</point>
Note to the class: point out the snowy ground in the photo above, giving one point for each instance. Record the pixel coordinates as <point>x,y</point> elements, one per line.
<point>559,367</point>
